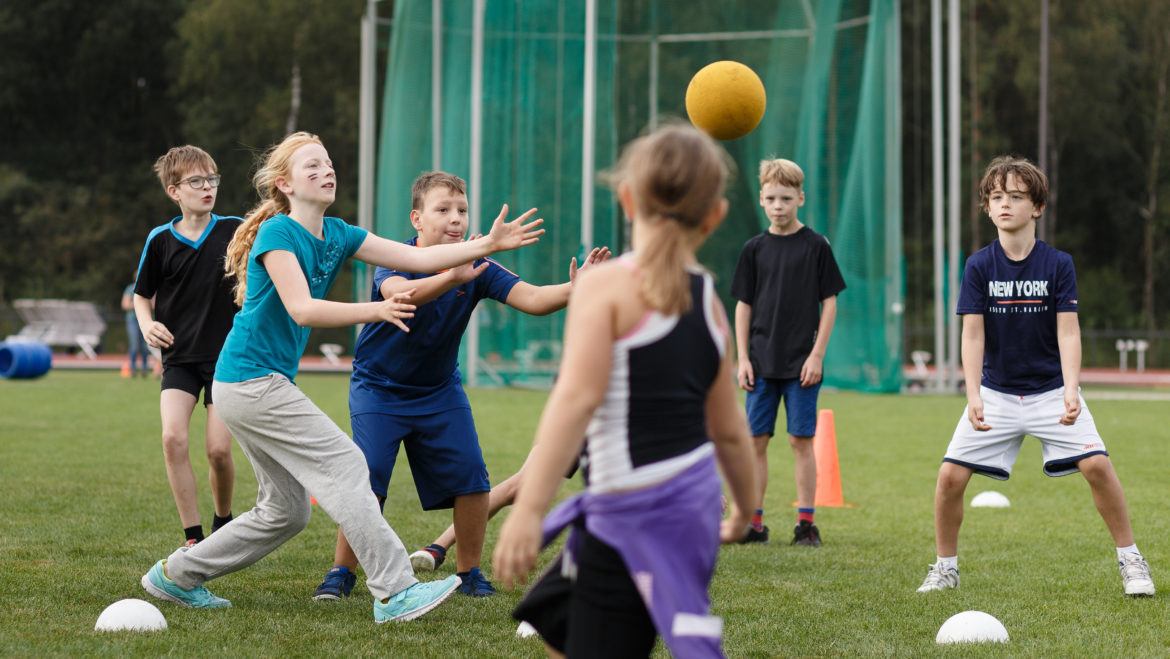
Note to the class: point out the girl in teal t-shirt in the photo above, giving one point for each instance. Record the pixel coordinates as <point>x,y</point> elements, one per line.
<point>285,257</point>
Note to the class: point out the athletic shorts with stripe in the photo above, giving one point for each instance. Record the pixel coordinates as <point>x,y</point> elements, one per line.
<point>1012,417</point>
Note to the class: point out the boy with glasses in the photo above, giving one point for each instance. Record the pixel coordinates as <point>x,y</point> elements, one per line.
<point>182,270</point>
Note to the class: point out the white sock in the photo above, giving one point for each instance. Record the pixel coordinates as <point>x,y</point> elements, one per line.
<point>950,561</point>
<point>1132,549</point>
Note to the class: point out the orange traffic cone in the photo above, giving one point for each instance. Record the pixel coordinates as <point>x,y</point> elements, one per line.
<point>125,369</point>
<point>312,500</point>
<point>828,471</point>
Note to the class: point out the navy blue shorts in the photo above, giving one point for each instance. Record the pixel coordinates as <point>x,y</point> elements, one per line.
<point>443,450</point>
<point>191,378</point>
<point>800,406</point>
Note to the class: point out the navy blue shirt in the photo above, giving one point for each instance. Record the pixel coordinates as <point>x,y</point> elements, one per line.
<point>1019,301</point>
<point>416,372</point>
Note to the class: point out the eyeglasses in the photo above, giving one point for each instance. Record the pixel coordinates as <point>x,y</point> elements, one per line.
<point>197,182</point>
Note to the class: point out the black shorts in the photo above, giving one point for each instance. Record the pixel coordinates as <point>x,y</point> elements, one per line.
<point>600,614</point>
<point>191,378</point>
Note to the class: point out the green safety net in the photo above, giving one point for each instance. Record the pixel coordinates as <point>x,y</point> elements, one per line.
<point>831,70</point>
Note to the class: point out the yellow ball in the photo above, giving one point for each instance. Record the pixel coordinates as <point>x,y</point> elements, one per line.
<point>726,100</point>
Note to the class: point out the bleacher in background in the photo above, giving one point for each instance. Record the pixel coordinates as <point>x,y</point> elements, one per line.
<point>61,324</point>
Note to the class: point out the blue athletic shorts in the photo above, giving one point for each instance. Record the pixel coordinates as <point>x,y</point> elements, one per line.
<point>800,406</point>
<point>191,378</point>
<point>443,450</point>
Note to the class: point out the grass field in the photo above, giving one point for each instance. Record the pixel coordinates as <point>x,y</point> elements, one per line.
<point>86,510</point>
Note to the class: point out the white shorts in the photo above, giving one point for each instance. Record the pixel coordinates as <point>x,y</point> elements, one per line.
<point>993,452</point>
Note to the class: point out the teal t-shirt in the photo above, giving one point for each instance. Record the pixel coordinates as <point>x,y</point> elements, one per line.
<point>264,338</point>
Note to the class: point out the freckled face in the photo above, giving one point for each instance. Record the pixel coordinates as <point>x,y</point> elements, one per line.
<point>313,178</point>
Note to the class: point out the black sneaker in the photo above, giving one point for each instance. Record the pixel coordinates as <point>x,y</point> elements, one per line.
<point>755,537</point>
<point>806,534</point>
<point>337,584</point>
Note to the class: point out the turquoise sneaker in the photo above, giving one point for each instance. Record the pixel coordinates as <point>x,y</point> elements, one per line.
<point>415,601</point>
<point>156,583</point>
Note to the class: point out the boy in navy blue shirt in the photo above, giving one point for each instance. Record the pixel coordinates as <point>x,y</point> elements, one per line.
<point>1021,361</point>
<point>406,388</point>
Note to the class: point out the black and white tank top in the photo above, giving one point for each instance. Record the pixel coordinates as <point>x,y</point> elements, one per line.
<point>651,424</point>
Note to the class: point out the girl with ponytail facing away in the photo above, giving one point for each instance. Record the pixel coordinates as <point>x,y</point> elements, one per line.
<point>285,257</point>
<point>646,397</point>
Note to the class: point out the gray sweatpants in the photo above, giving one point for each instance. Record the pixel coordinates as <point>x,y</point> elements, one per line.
<point>294,449</point>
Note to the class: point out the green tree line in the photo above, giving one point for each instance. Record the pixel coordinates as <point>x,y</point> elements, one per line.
<point>92,92</point>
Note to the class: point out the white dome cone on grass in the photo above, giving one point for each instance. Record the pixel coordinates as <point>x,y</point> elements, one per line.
<point>990,499</point>
<point>525,630</point>
<point>972,627</point>
<point>133,615</point>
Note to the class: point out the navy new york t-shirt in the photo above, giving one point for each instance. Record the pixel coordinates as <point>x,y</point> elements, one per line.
<point>1019,301</point>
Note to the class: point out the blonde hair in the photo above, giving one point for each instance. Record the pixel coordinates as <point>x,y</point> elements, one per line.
<point>779,171</point>
<point>1026,173</point>
<point>676,175</point>
<point>428,181</point>
<point>277,164</point>
<point>179,160</point>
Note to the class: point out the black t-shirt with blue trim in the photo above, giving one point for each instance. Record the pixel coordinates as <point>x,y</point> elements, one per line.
<point>192,295</point>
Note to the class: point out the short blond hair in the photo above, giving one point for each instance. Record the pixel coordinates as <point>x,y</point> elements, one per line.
<point>779,171</point>
<point>179,160</point>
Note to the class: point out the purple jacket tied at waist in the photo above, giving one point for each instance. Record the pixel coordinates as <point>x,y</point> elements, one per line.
<point>668,537</point>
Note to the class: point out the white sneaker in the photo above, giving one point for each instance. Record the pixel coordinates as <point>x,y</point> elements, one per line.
<point>940,578</point>
<point>526,630</point>
<point>422,560</point>
<point>1135,574</point>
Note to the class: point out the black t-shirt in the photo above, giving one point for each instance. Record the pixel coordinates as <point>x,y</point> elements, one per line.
<point>784,279</point>
<point>193,297</point>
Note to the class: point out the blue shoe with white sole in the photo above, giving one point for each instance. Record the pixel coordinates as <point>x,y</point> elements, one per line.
<point>156,583</point>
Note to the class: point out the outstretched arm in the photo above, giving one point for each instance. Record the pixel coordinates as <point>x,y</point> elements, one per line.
<point>504,236</point>
<point>543,300</point>
<point>308,311</point>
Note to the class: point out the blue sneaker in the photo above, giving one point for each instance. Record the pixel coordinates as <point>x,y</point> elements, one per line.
<point>156,583</point>
<point>475,584</point>
<point>415,601</point>
<point>337,584</point>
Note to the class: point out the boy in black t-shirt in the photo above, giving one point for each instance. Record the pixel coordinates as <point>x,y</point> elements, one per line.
<point>182,270</point>
<point>786,282</point>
